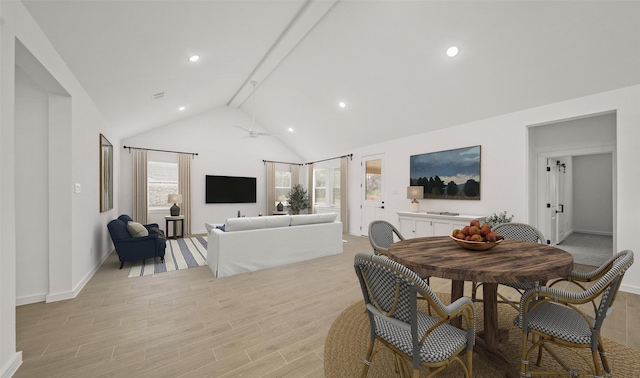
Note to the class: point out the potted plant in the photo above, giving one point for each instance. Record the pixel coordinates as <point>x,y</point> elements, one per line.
<point>497,219</point>
<point>298,199</point>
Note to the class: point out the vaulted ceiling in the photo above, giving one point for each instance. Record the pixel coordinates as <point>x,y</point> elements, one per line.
<point>385,59</point>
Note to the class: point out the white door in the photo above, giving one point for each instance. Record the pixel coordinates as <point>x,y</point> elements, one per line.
<point>555,200</point>
<point>372,193</point>
<point>560,215</point>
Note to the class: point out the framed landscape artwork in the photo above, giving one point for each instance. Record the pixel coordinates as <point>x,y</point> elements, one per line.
<point>451,174</point>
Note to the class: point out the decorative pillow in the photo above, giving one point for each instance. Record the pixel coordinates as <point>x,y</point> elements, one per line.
<point>327,217</point>
<point>274,221</point>
<point>137,230</point>
<point>300,219</point>
<point>221,227</point>
<point>245,223</point>
<point>158,232</point>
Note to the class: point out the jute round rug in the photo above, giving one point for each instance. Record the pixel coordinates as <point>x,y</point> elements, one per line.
<point>348,337</point>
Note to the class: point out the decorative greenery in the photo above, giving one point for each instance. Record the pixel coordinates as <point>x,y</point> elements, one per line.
<point>496,219</point>
<point>298,199</point>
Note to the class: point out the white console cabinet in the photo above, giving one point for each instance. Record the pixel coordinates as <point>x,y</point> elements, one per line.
<point>416,225</point>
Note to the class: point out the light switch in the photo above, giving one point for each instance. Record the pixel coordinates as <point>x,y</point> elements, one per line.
<point>77,188</point>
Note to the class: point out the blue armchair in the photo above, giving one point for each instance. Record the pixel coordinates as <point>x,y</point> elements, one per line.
<point>131,248</point>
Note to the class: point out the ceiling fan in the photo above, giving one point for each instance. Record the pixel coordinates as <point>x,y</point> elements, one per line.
<point>253,131</point>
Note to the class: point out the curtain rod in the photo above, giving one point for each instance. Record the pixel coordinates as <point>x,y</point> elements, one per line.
<point>151,149</point>
<point>350,156</point>
<point>280,162</point>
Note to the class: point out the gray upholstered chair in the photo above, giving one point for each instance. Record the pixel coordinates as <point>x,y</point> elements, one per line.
<point>391,292</point>
<point>517,231</point>
<point>381,235</point>
<point>553,315</point>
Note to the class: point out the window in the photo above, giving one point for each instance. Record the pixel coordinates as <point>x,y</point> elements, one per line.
<point>320,186</point>
<point>162,180</point>
<point>373,180</point>
<point>326,186</point>
<point>283,183</point>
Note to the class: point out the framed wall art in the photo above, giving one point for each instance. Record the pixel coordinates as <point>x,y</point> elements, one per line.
<point>106,174</point>
<point>450,174</point>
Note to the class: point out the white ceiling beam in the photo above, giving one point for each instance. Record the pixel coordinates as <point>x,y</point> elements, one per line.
<point>308,16</point>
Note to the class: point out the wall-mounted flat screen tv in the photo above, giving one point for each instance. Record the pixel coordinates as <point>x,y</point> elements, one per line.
<point>230,189</point>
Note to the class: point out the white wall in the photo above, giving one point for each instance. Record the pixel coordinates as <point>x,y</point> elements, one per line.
<point>222,150</point>
<point>32,194</point>
<point>77,236</point>
<point>592,180</point>
<point>507,169</point>
<point>10,359</point>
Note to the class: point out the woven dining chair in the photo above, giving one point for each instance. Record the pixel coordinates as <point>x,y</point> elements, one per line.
<point>556,316</point>
<point>391,292</point>
<point>517,231</point>
<point>381,235</point>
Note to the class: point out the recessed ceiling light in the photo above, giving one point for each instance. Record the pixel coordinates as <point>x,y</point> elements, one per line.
<point>194,58</point>
<point>342,104</point>
<point>290,129</point>
<point>181,108</point>
<point>452,51</point>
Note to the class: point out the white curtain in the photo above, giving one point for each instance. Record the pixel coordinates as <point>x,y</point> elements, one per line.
<point>295,174</point>
<point>271,187</point>
<point>311,191</point>
<point>344,194</point>
<point>140,201</point>
<point>184,188</point>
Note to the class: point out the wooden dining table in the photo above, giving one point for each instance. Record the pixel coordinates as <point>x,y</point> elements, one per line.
<point>510,261</point>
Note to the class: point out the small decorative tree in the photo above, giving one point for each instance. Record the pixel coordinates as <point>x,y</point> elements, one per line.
<point>298,199</point>
<point>496,219</point>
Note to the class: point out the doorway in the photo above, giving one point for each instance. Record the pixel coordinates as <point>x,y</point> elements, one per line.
<point>372,194</point>
<point>43,115</point>
<point>576,184</point>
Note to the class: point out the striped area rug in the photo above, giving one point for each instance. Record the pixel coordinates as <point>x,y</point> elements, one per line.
<point>180,254</point>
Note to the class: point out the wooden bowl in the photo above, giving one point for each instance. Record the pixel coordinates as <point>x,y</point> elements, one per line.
<point>475,246</point>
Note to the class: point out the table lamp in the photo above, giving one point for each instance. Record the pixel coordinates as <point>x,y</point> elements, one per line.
<point>175,198</point>
<point>280,207</point>
<point>414,192</point>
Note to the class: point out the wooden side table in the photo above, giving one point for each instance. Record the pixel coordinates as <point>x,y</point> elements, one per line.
<point>174,219</point>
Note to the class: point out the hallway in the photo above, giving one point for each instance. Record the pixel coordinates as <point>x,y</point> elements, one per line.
<point>588,249</point>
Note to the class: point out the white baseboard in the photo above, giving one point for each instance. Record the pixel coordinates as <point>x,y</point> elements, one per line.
<point>630,289</point>
<point>12,367</point>
<point>78,288</point>
<point>62,296</point>
<point>20,301</point>
<point>592,232</point>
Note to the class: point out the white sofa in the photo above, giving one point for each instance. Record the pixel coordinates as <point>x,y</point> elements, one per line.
<point>254,243</point>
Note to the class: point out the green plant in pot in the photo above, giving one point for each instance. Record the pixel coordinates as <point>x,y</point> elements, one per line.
<point>298,199</point>
<point>497,219</point>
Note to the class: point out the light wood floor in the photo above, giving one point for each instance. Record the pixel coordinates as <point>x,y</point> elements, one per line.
<point>187,323</point>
